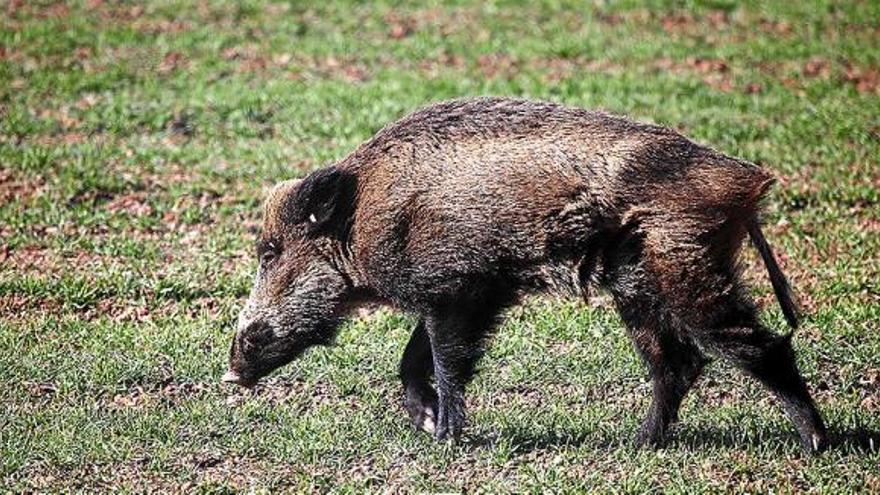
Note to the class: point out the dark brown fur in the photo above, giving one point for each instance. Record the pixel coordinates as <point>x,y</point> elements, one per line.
<point>456,211</point>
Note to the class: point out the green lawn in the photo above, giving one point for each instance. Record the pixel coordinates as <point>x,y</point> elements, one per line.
<point>136,145</point>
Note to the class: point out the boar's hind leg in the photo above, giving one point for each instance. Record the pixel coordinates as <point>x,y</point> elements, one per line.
<point>416,369</point>
<point>674,362</point>
<point>770,359</point>
<point>722,319</point>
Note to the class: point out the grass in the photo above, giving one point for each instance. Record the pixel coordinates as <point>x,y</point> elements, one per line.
<point>136,144</point>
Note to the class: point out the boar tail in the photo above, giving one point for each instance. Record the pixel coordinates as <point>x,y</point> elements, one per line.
<point>777,278</point>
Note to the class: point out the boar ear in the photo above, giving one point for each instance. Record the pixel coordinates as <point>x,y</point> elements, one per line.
<point>324,201</point>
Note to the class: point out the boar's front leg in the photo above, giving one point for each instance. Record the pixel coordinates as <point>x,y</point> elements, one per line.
<point>457,336</point>
<point>416,368</point>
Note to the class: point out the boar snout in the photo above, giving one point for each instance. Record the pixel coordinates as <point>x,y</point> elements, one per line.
<point>249,339</point>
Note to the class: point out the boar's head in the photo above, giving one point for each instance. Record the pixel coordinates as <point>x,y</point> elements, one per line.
<point>300,290</point>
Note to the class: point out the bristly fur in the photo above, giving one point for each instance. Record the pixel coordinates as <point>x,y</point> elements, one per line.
<point>457,210</point>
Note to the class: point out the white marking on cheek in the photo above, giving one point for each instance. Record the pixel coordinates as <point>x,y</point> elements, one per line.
<point>244,319</point>
<point>312,218</point>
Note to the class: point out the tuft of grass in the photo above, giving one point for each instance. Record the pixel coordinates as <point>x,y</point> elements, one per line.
<point>137,142</point>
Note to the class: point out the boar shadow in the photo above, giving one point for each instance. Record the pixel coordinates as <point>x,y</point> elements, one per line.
<point>857,440</point>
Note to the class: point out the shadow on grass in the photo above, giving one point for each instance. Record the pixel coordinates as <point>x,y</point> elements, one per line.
<point>686,438</point>
<point>860,440</point>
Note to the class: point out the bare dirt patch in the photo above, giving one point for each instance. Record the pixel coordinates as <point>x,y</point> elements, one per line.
<point>17,188</point>
<point>817,67</point>
<point>864,79</point>
<point>771,26</point>
<point>348,68</point>
<point>249,58</point>
<point>400,26</point>
<point>133,203</point>
<point>120,310</point>
<point>28,258</point>
<point>715,73</point>
<point>171,62</point>
<point>21,308</point>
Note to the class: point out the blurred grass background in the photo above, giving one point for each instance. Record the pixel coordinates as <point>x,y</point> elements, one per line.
<point>137,141</point>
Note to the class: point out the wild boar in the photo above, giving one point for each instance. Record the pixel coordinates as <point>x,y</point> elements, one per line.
<point>457,211</point>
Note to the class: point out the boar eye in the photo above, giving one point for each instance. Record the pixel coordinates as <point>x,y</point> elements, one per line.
<point>257,336</point>
<point>268,257</point>
<point>267,252</point>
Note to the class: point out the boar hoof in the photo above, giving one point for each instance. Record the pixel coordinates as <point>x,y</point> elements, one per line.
<point>449,427</point>
<point>422,411</point>
<point>424,418</point>
<point>817,444</point>
<point>427,421</point>
<point>650,439</point>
